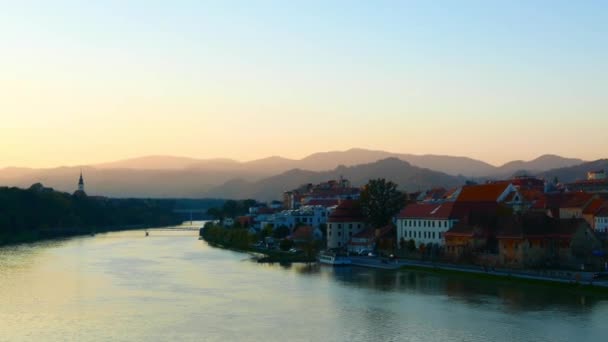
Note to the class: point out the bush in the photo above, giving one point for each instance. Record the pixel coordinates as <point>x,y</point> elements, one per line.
<point>286,244</point>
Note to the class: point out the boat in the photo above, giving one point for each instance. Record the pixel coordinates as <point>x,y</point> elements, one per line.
<point>334,259</point>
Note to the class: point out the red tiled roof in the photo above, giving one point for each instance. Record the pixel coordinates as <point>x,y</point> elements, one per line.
<point>439,211</point>
<point>323,202</point>
<point>463,230</point>
<point>540,226</point>
<point>602,212</point>
<point>303,233</point>
<point>347,211</point>
<point>482,193</point>
<point>370,234</point>
<point>594,206</point>
<point>576,200</point>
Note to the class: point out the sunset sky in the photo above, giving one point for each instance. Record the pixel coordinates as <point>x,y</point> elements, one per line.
<point>84,83</point>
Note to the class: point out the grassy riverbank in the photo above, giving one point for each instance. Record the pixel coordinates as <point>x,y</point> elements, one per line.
<point>265,255</point>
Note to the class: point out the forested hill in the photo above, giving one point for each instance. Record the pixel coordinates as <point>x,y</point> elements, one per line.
<point>39,212</point>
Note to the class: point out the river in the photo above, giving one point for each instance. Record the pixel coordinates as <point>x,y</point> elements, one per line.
<point>170,286</point>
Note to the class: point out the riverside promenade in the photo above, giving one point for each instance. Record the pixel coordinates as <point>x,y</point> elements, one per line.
<point>560,276</point>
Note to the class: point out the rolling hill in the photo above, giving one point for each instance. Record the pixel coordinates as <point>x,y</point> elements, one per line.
<point>408,177</point>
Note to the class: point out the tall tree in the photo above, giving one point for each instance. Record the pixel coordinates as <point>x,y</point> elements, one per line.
<point>380,201</point>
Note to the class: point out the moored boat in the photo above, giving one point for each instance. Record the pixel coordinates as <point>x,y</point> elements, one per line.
<point>331,258</point>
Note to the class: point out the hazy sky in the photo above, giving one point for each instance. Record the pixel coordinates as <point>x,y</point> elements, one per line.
<point>83,82</point>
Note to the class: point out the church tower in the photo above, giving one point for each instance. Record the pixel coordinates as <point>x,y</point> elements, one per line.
<point>81,183</point>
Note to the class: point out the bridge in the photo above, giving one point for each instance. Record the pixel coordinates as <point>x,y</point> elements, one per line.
<point>193,228</point>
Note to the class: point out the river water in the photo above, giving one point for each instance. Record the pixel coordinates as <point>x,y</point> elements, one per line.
<point>172,287</point>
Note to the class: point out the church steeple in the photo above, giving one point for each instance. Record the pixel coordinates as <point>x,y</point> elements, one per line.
<point>81,183</point>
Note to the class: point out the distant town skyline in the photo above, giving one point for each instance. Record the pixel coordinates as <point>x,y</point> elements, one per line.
<point>85,83</point>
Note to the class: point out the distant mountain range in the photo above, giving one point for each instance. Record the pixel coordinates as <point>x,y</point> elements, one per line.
<point>170,176</point>
<point>575,173</point>
<point>410,178</point>
<point>324,161</point>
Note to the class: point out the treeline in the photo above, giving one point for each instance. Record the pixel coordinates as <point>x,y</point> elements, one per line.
<point>39,212</point>
<point>231,208</point>
<point>230,238</point>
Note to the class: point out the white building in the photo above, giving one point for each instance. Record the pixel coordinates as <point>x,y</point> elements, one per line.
<point>596,175</point>
<point>344,222</point>
<point>601,221</point>
<point>425,222</point>
<point>313,216</point>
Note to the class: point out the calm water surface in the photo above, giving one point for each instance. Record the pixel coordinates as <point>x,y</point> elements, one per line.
<point>171,286</point>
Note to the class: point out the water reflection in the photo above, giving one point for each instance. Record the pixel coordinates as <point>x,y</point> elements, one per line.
<point>171,286</point>
<point>512,296</point>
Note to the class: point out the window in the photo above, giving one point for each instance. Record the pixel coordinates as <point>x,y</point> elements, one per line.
<point>339,225</point>
<point>350,226</point>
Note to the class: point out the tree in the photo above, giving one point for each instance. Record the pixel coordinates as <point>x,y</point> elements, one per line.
<point>380,201</point>
<point>281,232</point>
<point>411,245</point>
<point>402,243</point>
<point>285,244</point>
<point>266,231</point>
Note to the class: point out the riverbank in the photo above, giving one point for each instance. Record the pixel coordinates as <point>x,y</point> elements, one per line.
<point>52,234</point>
<point>263,255</point>
<point>571,286</point>
<point>575,281</point>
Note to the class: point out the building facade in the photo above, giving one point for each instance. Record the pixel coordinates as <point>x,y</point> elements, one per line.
<point>343,223</point>
<point>425,222</point>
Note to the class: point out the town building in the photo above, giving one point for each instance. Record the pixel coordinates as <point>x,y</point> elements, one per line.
<point>601,221</point>
<point>573,204</point>
<point>592,209</point>
<point>497,192</point>
<point>343,223</point>
<point>541,241</point>
<point>314,216</point>
<point>596,175</point>
<point>463,240</point>
<point>425,222</point>
<point>333,190</point>
<point>304,234</point>
<point>372,239</point>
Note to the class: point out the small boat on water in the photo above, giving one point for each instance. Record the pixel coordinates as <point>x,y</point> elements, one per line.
<point>331,258</point>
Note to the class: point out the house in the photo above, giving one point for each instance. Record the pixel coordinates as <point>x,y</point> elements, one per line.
<point>539,240</point>
<point>596,175</point>
<point>305,234</point>
<point>573,204</point>
<point>463,240</point>
<point>432,195</point>
<point>491,192</point>
<point>314,216</point>
<point>331,190</point>
<point>425,222</point>
<point>373,239</point>
<point>343,223</point>
<point>228,222</point>
<point>592,209</point>
<point>601,221</point>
